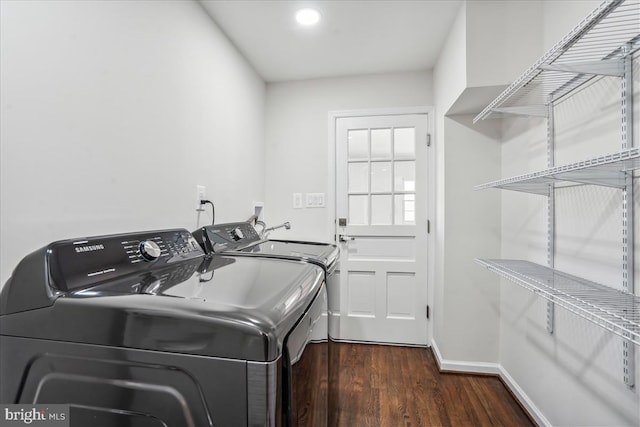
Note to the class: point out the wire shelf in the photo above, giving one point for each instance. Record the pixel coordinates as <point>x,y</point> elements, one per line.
<point>608,170</point>
<point>595,47</point>
<point>613,310</point>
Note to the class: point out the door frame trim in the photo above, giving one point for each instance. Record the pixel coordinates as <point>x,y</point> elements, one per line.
<point>330,200</point>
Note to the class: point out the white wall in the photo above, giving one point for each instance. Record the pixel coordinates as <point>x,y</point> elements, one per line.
<point>449,80</point>
<point>112,112</point>
<point>470,302</point>
<point>573,376</point>
<point>475,55</point>
<point>297,151</point>
<point>579,359</point>
<point>502,37</point>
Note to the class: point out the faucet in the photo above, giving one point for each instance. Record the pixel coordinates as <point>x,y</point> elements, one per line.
<point>265,231</point>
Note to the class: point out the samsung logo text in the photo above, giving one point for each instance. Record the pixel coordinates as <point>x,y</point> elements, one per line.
<point>89,248</point>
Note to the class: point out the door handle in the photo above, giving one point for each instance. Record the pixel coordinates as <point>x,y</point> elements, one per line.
<point>345,238</point>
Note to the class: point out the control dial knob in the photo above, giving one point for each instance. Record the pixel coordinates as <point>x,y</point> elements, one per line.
<point>237,234</point>
<point>149,250</point>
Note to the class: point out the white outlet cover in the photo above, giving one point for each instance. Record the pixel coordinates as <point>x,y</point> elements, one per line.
<point>201,194</point>
<point>315,200</point>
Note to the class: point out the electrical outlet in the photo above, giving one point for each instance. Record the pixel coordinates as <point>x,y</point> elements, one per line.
<point>315,200</point>
<point>201,194</point>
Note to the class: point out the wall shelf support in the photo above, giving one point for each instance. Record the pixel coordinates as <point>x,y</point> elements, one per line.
<point>628,349</point>
<point>524,110</point>
<point>610,67</point>
<point>551,210</point>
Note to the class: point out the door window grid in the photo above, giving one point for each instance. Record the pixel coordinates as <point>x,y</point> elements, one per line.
<point>381,176</point>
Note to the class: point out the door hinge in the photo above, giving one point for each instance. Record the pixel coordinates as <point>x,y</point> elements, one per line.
<point>427,312</point>
<point>428,140</point>
<point>428,226</point>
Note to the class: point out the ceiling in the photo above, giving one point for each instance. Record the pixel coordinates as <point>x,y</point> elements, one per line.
<point>352,38</point>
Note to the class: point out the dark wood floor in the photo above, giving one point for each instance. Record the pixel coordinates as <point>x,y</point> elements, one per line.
<point>379,386</point>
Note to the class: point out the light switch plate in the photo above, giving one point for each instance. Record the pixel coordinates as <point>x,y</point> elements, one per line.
<point>297,201</point>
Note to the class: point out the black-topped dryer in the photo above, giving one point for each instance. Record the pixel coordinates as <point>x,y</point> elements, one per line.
<point>142,329</point>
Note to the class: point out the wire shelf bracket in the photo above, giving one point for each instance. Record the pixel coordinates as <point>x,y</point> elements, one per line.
<point>610,67</point>
<point>524,110</point>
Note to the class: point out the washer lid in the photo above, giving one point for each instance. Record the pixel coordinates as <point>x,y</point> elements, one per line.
<point>235,307</point>
<point>324,254</point>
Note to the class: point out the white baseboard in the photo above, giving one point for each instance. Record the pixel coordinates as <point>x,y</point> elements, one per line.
<point>492,369</point>
<point>463,366</point>
<point>524,399</point>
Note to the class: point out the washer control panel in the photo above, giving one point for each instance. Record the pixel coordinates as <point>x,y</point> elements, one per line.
<point>84,262</point>
<point>161,246</point>
<point>225,237</point>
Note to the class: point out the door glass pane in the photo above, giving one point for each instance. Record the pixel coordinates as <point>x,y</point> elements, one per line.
<point>404,143</point>
<point>381,209</point>
<point>358,144</point>
<point>380,177</point>
<point>380,143</point>
<point>358,177</point>
<point>358,210</point>
<point>405,176</point>
<point>405,209</point>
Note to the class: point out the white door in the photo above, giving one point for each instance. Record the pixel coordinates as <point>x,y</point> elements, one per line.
<point>381,228</point>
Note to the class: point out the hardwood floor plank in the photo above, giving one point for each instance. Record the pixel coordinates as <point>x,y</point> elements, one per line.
<point>379,385</point>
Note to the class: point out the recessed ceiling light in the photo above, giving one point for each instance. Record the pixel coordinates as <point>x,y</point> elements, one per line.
<point>308,16</point>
